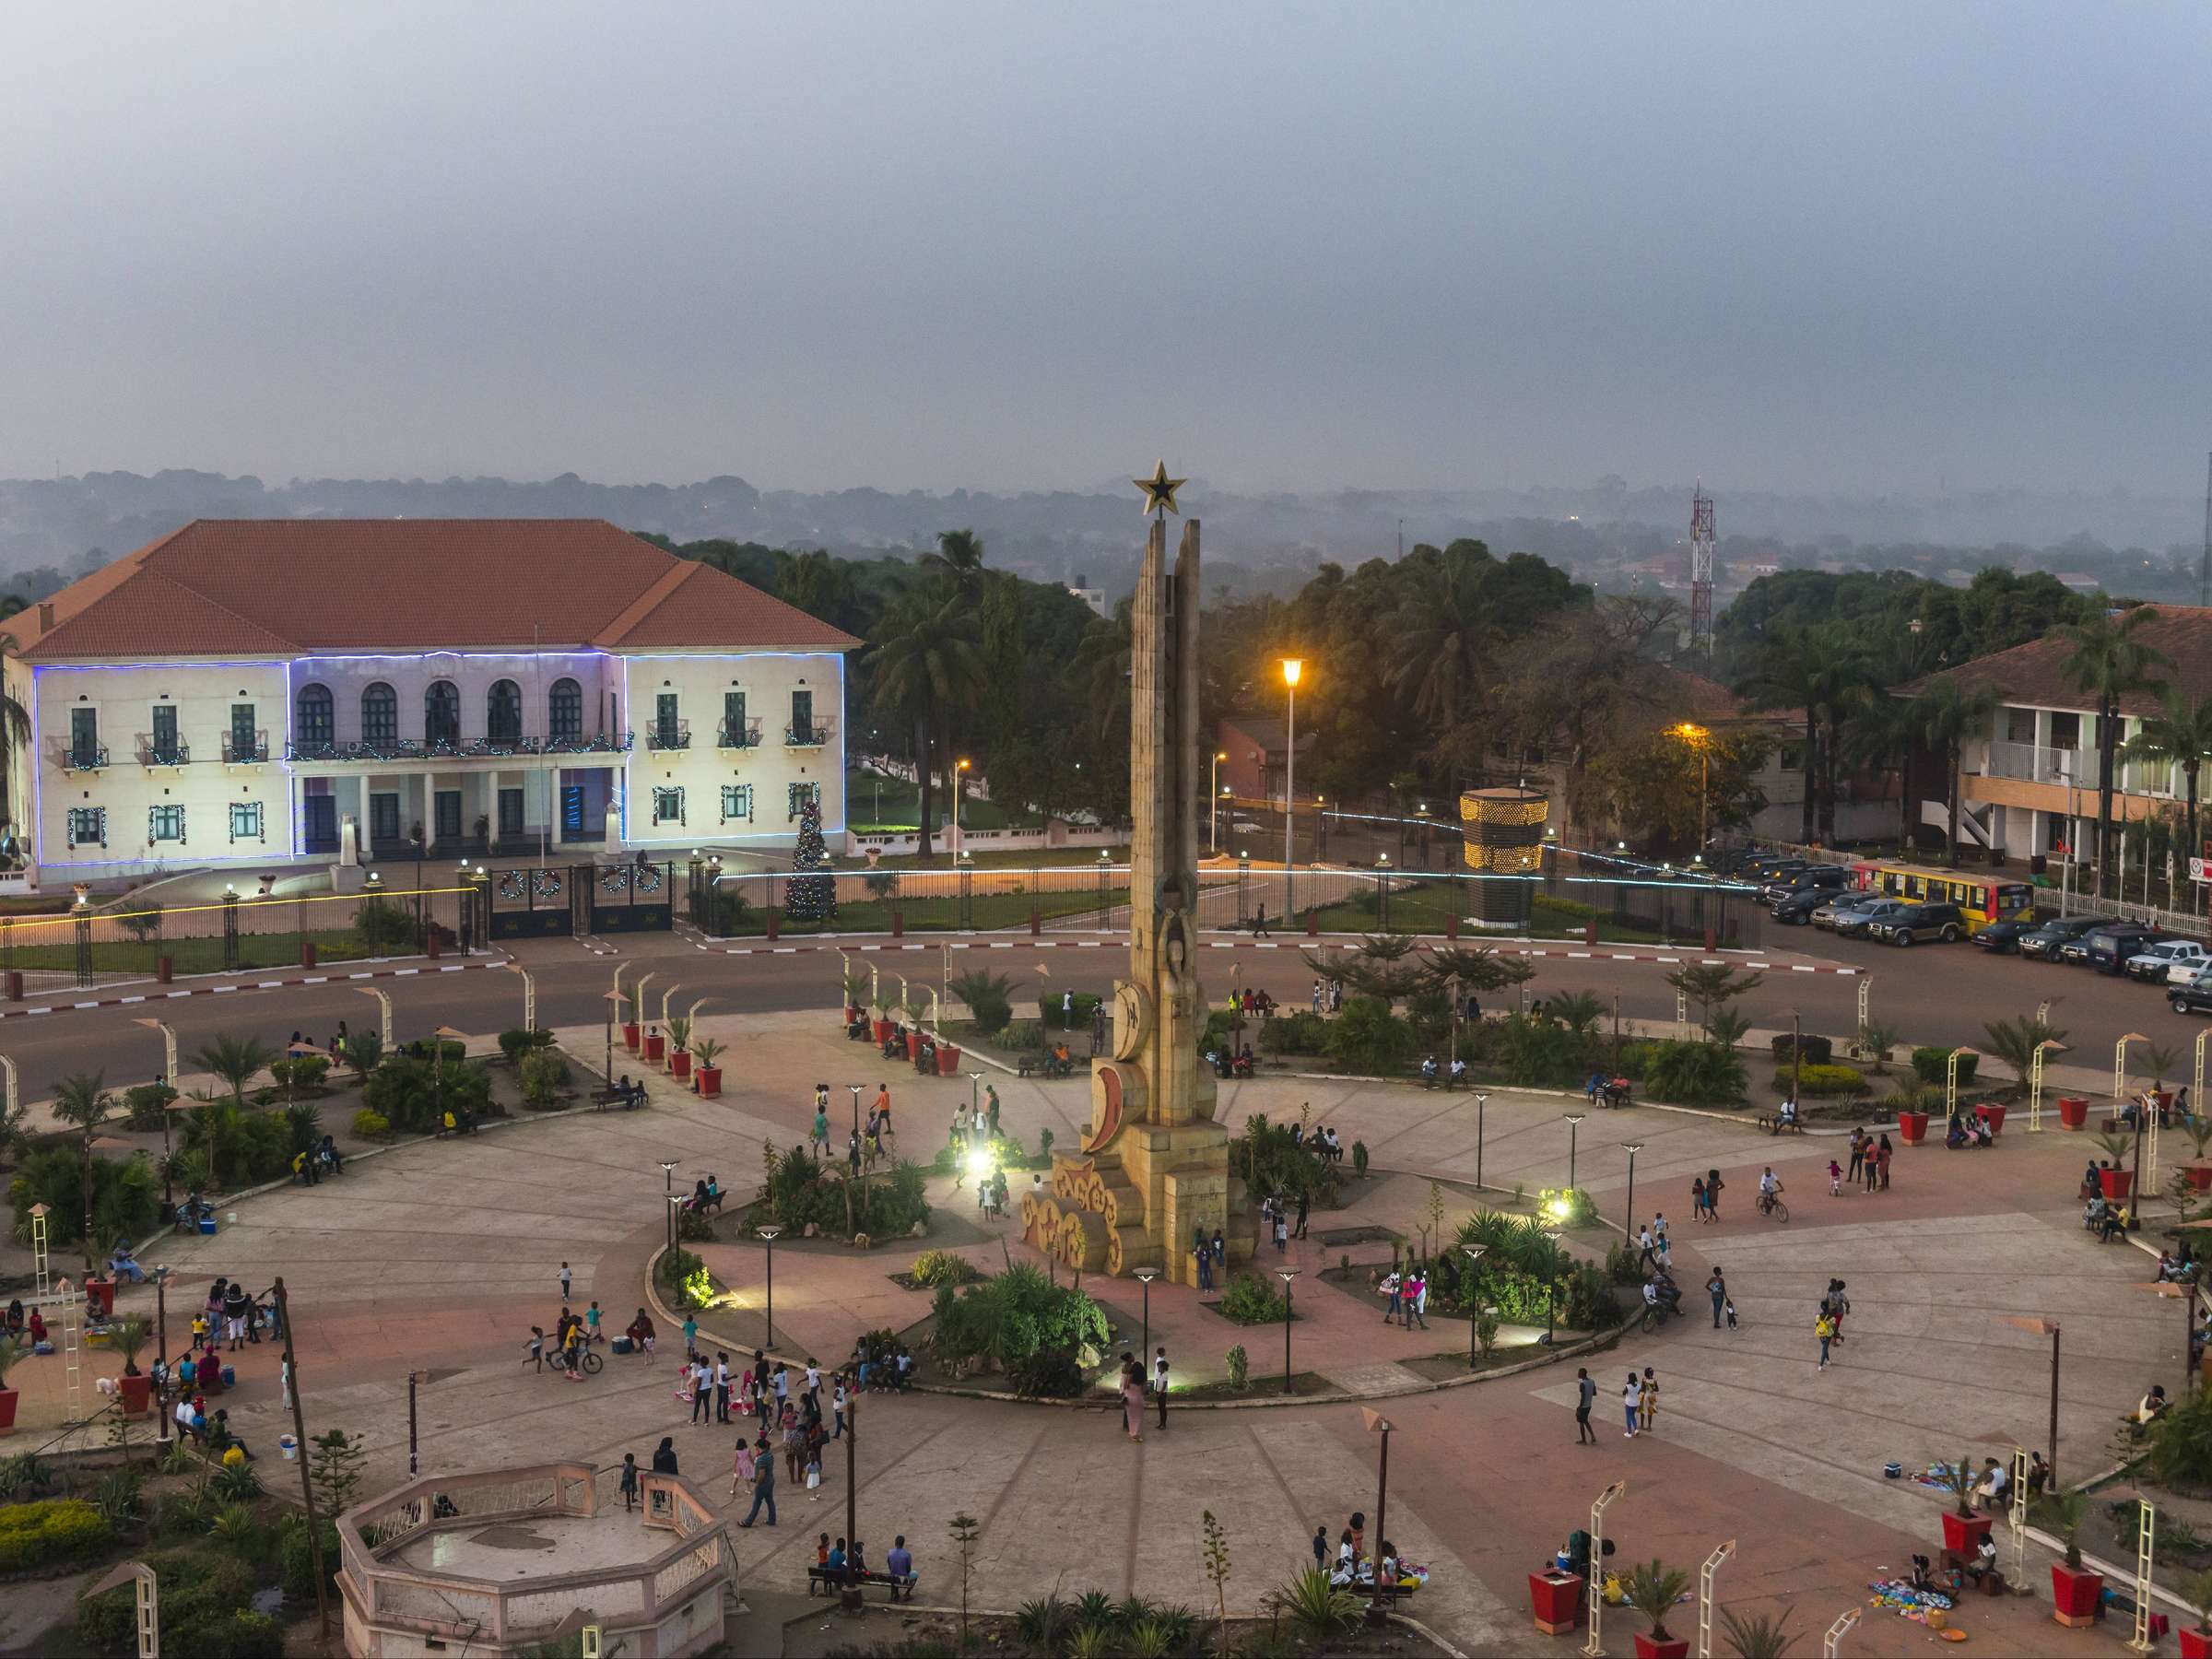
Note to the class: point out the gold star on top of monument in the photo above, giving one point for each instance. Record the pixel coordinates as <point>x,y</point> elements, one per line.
<point>1159,490</point>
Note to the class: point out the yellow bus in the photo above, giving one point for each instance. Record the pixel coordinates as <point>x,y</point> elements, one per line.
<point>1984,898</point>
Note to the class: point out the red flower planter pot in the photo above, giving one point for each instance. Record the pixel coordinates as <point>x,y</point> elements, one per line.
<point>1672,1649</point>
<point>949,1061</point>
<point>2195,1643</point>
<point>7,1411</point>
<point>709,1080</point>
<point>913,1045</point>
<point>2075,1596</point>
<point>136,1393</point>
<point>1994,1116</point>
<point>2073,1112</point>
<point>1557,1599</point>
<point>2200,1176</point>
<point>655,1046</point>
<point>1962,1535</point>
<point>852,1013</point>
<point>101,1293</point>
<point>1912,1127</point>
<point>630,1038</point>
<point>882,1028</point>
<point>2116,1183</point>
<point>679,1065</point>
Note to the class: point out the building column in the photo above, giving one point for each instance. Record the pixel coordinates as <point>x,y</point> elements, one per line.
<point>429,813</point>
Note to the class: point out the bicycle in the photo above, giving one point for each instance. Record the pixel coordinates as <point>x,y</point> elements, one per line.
<point>1655,1315</point>
<point>589,1363</point>
<point>1775,1207</point>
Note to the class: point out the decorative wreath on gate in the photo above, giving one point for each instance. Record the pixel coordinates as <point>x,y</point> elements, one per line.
<point>511,884</point>
<point>546,884</point>
<point>646,880</point>
<point>615,880</point>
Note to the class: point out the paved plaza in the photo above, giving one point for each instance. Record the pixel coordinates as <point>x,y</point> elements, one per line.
<point>443,1253</point>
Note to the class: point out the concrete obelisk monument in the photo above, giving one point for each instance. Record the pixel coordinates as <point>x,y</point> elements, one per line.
<point>1153,1170</point>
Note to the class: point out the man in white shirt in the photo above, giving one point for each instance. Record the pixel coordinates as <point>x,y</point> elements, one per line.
<point>1160,1382</point>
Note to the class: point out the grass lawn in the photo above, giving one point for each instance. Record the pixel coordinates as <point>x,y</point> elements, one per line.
<point>1426,908</point>
<point>878,804</point>
<point>936,914</point>
<point>196,953</point>
<point>1018,859</point>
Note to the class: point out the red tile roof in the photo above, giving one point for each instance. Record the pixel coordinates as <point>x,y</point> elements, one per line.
<point>288,587</point>
<point>2033,674</point>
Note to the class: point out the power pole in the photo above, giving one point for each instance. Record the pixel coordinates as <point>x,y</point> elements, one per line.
<point>307,1489</point>
<point>2203,573</point>
<point>1701,571</point>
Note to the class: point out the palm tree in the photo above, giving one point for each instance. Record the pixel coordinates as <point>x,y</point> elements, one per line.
<point>2016,1041</point>
<point>1579,1011</point>
<point>928,668</point>
<point>1951,714</point>
<point>82,1102</point>
<point>2180,734</point>
<point>1794,677</point>
<point>1440,638</point>
<point>1882,730</point>
<point>959,558</point>
<point>2107,659</point>
<point>236,1061</point>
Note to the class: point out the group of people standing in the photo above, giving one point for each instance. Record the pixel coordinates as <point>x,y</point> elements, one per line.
<point>1136,1383</point>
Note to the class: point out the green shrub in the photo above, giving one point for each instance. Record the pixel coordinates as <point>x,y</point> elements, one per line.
<point>1812,1049</point>
<point>517,1041</point>
<point>1537,1052</point>
<point>1008,1318</point>
<point>1816,1082</point>
<point>1360,1156</point>
<point>384,927</point>
<point>406,1089</point>
<point>543,1073</point>
<point>934,1267</point>
<point>302,1071</point>
<point>1367,1036</point>
<point>51,1532</point>
<point>989,996</point>
<point>298,1560</point>
<point>126,1199</point>
<point>200,1583</point>
<point>237,1634</point>
<point>369,1125</point>
<point>1239,1367</point>
<point>1251,1299</point>
<point>1694,1073</point>
<point>1933,1065</point>
<point>677,1265</point>
<point>1296,1033</point>
<point>147,1105</point>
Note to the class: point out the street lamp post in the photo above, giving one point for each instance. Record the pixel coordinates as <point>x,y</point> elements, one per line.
<point>1482,1099</point>
<point>770,1235</point>
<point>1292,668</point>
<point>1551,1288</point>
<point>2048,1327</point>
<point>1474,1254</point>
<point>1378,1424</point>
<point>161,1347</point>
<point>854,1089</point>
<point>960,778</point>
<point>1574,1131</point>
<point>1145,1275</point>
<point>1697,738</point>
<point>1213,828</point>
<point>849,1593</point>
<point>1285,1275</point>
<point>1628,1221</point>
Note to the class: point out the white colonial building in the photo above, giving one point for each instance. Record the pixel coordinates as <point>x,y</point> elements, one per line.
<point>271,691</point>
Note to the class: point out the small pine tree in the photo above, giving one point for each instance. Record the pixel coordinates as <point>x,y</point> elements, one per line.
<point>966,1529</point>
<point>810,898</point>
<point>1216,1553</point>
<point>334,1471</point>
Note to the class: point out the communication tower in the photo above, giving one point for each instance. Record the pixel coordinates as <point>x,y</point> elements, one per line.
<point>1701,571</point>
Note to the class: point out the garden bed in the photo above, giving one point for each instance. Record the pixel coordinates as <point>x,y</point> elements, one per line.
<point>1189,1628</point>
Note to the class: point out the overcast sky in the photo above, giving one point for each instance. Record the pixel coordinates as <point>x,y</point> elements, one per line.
<point>1035,245</point>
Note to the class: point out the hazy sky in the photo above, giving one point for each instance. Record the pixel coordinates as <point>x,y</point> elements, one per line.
<point>1037,244</point>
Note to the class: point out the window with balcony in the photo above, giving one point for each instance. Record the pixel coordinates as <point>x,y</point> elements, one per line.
<point>246,821</point>
<point>88,826</point>
<point>564,710</point>
<point>2065,731</point>
<point>162,747</point>
<point>380,714</point>
<point>442,717</point>
<point>2020,726</point>
<point>84,737</point>
<point>503,713</point>
<point>737,803</point>
<point>245,735</point>
<point>802,728</point>
<point>734,730</point>
<point>670,731</point>
<point>315,724</point>
<point>668,805</point>
<point>164,824</point>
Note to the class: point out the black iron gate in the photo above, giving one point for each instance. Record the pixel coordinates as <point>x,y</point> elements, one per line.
<point>534,902</point>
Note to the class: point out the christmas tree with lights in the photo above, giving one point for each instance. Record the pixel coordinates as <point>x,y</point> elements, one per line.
<point>808,897</point>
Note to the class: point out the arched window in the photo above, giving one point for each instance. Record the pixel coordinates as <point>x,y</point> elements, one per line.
<point>565,710</point>
<point>312,716</point>
<point>441,713</point>
<point>380,714</point>
<point>503,713</point>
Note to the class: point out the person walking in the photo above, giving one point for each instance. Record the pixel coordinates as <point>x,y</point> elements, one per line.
<point>1585,1396</point>
<point>1133,1399</point>
<point>1651,1400</point>
<point>1858,1156</point>
<point>1696,1199</point>
<point>566,1278</point>
<point>1825,1329</point>
<point>837,1406</point>
<point>1717,1287</point>
<point>1881,1159</point>
<point>741,1467</point>
<point>764,1484</point>
<point>1417,1299</point>
<point>1321,1534</point>
<point>1632,1403</point>
<point>1713,1185</point>
<point>1305,1203</point>
<point>1665,1251</point>
<point>1870,1164</point>
<point>721,1387</point>
<point>1159,1383</point>
<point>819,1136</point>
<point>1645,1248</point>
<point>1282,1232</point>
<point>629,1480</point>
<point>1393,1288</point>
<point>1203,1254</point>
<point>702,1390</point>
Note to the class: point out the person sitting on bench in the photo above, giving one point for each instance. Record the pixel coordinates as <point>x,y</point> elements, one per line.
<point>327,1156</point>
<point>2115,1224</point>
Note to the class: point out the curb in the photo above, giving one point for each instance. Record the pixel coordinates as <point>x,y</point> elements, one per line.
<point>267,984</point>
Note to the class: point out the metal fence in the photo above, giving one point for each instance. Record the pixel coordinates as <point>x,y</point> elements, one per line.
<point>1570,899</point>
<point>96,947</point>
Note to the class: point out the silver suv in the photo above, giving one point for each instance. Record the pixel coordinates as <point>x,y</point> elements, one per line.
<point>1854,923</point>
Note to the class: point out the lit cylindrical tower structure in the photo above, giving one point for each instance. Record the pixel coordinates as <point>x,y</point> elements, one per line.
<point>1504,839</point>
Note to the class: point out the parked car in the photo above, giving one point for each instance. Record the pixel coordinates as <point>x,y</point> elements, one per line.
<point>1853,923</point>
<point>2196,997</point>
<point>1771,867</point>
<point>1795,909</point>
<point>2044,943</point>
<point>2001,936</point>
<point>2157,963</point>
<point>2107,949</point>
<point>1813,879</point>
<point>1918,921</point>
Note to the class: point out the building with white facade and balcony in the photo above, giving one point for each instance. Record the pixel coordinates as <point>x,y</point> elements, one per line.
<point>286,691</point>
<point>2029,783</point>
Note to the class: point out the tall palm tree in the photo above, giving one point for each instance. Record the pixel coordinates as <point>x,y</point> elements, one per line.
<point>1439,639</point>
<point>2107,659</point>
<point>1882,730</point>
<point>2180,734</point>
<point>958,559</point>
<point>236,1061</point>
<point>1951,714</point>
<point>1794,677</point>
<point>928,668</point>
<point>82,1101</point>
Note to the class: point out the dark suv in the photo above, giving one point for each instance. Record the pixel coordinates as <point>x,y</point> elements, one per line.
<point>1813,879</point>
<point>2110,947</point>
<point>2045,942</point>
<point>1918,921</point>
